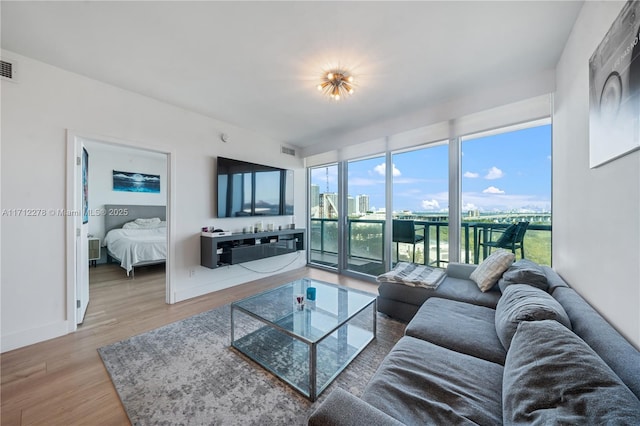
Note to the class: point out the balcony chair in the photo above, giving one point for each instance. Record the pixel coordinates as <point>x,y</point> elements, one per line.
<point>404,231</point>
<point>511,238</point>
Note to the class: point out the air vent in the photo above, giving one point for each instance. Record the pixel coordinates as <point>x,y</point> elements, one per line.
<point>7,70</point>
<point>288,151</point>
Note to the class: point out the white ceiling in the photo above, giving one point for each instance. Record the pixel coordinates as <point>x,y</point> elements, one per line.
<point>256,64</point>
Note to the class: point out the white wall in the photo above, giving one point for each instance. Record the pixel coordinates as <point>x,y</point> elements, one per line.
<point>103,159</point>
<point>36,113</point>
<point>596,219</point>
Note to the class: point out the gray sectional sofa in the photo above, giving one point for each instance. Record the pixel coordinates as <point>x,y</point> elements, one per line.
<point>537,354</point>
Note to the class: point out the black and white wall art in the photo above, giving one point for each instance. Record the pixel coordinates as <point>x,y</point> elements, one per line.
<point>614,90</point>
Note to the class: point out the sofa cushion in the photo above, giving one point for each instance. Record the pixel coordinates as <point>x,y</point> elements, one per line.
<point>344,409</point>
<point>458,326</point>
<point>553,279</point>
<point>460,270</point>
<point>524,271</point>
<point>610,345</point>
<point>521,302</point>
<point>551,376</point>
<point>422,383</point>
<point>451,288</point>
<point>395,309</point>
<point>486,275</point>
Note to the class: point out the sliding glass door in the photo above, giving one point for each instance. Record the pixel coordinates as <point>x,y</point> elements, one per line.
<point>323,216</point>
<point>365,216</point>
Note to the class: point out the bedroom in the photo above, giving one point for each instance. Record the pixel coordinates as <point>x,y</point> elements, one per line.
<point>109,263</point>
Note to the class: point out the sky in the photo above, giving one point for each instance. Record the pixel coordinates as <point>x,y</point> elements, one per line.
<point>505,172</point>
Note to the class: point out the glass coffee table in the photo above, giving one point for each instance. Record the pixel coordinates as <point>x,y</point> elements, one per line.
<point>305,345</point>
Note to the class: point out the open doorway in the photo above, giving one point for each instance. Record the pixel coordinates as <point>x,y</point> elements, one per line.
<point>121,241</point>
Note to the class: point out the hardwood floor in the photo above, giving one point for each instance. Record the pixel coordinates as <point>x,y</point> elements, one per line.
<point>63,381</point>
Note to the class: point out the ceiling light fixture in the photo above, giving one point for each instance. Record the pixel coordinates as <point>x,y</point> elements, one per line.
<point>337,84</point>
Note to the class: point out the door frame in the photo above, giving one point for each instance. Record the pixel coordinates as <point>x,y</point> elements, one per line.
<point>342,264</point>
<point>74,221</point>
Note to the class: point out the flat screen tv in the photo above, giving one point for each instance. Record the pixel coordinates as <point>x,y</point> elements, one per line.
<point>249,189</point>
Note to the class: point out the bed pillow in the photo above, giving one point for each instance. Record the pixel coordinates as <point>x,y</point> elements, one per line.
<point>487,273</point>
<point>144,224</point>
<point>147,222</point>
<point>524,271</point>
<point>551,376</point>
<point>521,302</point>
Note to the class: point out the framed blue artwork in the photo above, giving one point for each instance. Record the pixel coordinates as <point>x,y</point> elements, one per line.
<point>136,182</point>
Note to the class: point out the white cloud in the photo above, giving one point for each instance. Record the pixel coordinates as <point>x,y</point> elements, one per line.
<point>494,173</point>
<point>381,169</point>
<point>430,204</point>
<point>471,175</point>
<point>493,190</point>
<point>469,206</point>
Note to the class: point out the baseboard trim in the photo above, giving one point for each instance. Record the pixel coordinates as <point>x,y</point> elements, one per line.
<point>34,335</point>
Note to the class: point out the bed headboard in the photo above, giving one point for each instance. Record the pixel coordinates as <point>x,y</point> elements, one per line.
<point>117,215</point>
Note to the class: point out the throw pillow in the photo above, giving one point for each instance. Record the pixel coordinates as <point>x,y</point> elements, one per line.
<point>521,302</point>
<point>487,273</point>
<point>524,271</point>
<point>551,376</point>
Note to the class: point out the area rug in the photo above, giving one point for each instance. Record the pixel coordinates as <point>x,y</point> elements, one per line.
<point>185,373</point>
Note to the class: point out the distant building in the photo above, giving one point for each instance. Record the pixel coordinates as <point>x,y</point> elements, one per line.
<point>314,197</point>
<point>351,206</point>
<point>473,213</point>
<point>362,204</point>
<point>329,205</point>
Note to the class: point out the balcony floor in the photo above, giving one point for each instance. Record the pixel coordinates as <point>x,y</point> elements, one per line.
<point>365,266</point>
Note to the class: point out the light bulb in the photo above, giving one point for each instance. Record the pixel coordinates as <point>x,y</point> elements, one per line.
<point>350,79</point>
<point>330,76</point>
<point>319,87</point>
<point>337,97</point>
<point>351,91</point>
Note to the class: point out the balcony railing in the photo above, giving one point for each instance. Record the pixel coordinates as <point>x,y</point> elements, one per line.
<point>365,243</point>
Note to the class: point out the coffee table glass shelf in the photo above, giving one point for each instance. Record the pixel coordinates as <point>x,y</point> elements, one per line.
<point>306,345</point>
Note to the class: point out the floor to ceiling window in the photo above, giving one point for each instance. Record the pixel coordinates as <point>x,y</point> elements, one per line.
<point>495,194</point>
<point>506,180</point>
<point>421,205</point>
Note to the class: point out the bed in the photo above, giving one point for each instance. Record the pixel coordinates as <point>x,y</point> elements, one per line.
<point>135,235</point>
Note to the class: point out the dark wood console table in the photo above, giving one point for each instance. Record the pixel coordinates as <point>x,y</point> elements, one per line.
<point>216,251</point>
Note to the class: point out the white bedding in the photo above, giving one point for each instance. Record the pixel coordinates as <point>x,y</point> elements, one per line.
<point>133,246</point>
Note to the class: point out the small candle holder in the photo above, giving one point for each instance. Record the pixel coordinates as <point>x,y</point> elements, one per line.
<point>299,299</point>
